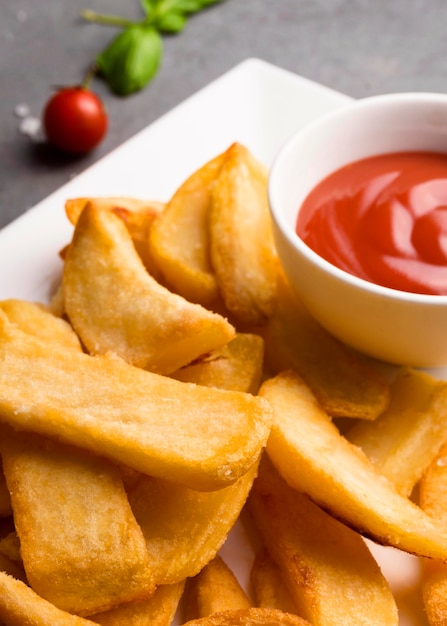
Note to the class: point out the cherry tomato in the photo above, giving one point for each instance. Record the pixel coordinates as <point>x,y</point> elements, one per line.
<point>75,120</point>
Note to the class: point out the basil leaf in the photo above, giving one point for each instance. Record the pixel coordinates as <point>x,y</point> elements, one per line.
<point>164,7</point>
<point>148,6</point>
<point>132,59</point>
<point>172,22</point>
<point>188,6</point>
<point>170,15</point>
<point>192,6</point>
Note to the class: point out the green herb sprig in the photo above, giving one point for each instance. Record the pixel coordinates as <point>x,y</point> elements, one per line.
<point>133,57</point>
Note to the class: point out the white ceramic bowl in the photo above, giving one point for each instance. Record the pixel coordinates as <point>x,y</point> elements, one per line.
<point>390,325</point>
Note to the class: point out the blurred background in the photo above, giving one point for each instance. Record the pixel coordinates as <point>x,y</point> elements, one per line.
<point>358,47</point>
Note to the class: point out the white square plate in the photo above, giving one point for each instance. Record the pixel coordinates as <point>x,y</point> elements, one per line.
<point>256,104</point>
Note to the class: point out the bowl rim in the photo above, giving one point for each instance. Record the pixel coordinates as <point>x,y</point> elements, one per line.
<point>290,233</point>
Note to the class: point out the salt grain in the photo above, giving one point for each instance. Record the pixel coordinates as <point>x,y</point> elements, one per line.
<point>32,128</point>
<point>22,110</point>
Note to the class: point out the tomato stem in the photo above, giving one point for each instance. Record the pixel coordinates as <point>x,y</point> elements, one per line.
<point>111,20</point>
<point>89,75</point>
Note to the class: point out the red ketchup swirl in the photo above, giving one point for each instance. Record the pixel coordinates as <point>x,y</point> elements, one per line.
<point>383,219</point>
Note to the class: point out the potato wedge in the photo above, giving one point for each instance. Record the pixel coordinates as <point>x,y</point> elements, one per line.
<point>180,545</point>
<point>10,547</point>
<point>12,568</point>
<point>116,306</point>
<point>159,610</point>
<point>20,605</point>
<point>238,365</point>
<point>202,437</point>
<point>250,617</point>
<point>315,458</point>
<point>75,206</point>
<point>179,238</point>
<point>433,499</point>
<point>404,440</point>
<point>267,582</point>
<point>139,225</point>
<point>213,590</point>
<point>81,546</point>
<point>344,385</point>
<point>37,320</point>
<point>328,569</point>
<point>137,214</point>
<point>242,249</point>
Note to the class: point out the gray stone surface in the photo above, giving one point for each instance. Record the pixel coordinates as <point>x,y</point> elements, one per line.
<point>359,47</point>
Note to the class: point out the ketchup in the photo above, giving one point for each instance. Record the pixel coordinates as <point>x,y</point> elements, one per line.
<point>383,219</point>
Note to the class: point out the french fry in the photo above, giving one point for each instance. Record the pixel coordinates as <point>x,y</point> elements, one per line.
<point>331,575</point>
<point>146,324</point>
<point>213,590</point>
<point>81,547</point>
<point>253,616</point>
<point>180,545</point>
<point>237,366</point>
<point>179,239</point>
<point>201,437</point>
<point>242,250</point>
<point>404,440</point>
<point>267,582</point>
<point>20,605</point>
<point>158,610</point>
<point>343,384</point>
<point>313,457</point>
<point>433,499</point>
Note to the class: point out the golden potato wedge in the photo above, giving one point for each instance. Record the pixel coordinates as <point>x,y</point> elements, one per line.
<point>75,206</point>
<point>433,499</point>
<point>268,585</point>
<point>253,616</point>
<point>329,571</point>
<point>242,249</point>
<point>179,238</point>
<point>20,605</point>
<point>10,547</point>
<point>202,437</point>
<point>13,568</point>
<point>137,215</point>
<point>81,546</point>
<point>315,458</point>
<point>159,610</point>
<point>213,590</point>
<point>181,544</point>
<point>404,440</point>
<point>238,365</point>
<point>343,384</point>
<point>139,224</point>
<point>37,319</point>
<point>56,304</point>
<point>116,306</point>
